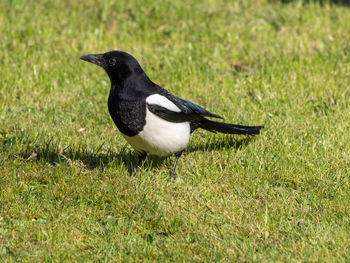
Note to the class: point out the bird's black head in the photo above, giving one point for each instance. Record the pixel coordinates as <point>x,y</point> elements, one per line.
<point>119,65</point>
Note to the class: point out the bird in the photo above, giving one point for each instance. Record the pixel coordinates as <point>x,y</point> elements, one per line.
<point>151,119</point>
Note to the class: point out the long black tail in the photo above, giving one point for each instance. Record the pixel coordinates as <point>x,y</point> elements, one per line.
<point>215,126</point>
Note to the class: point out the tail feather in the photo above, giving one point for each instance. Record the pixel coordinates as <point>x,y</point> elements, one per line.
<point>215,126</point>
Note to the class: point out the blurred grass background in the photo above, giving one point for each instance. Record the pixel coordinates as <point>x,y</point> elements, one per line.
<point>65,194</point>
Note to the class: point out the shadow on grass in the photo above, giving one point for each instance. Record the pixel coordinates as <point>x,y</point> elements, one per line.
<point>84,158</point>
<point>220,143</point>
<point>91,159</point>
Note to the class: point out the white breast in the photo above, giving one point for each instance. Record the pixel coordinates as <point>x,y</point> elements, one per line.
<point>160,137</point>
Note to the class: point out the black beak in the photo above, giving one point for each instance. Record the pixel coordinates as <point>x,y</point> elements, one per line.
<point>96,59</point>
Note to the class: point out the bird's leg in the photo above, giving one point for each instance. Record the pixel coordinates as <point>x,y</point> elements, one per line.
<point>172,174</point>
<point>141,158</point>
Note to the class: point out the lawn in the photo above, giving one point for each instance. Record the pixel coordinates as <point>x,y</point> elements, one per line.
<point>65,193</point>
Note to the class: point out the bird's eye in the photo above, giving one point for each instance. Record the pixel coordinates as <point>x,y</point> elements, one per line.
<point>112,62</point>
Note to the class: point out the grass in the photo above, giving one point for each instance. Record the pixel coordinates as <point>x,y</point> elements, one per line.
<point>280,196</point>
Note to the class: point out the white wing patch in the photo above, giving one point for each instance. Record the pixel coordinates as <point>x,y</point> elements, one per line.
<point>162,101</point>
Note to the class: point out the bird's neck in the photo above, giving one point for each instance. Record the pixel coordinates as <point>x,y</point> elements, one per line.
<point>115,91</point>
<point>130,88</point>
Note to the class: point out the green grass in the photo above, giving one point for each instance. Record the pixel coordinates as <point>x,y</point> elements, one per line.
<point>281,196</point>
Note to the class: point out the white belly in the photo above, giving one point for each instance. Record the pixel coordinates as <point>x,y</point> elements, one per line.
<point>160,137</point>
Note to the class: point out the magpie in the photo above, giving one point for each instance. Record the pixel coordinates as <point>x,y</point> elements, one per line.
<point>151,119</point>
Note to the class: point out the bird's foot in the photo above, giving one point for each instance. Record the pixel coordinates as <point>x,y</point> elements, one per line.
<point>172,173</point>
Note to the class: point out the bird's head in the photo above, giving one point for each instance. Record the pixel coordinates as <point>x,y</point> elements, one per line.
<point>119,65</point>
